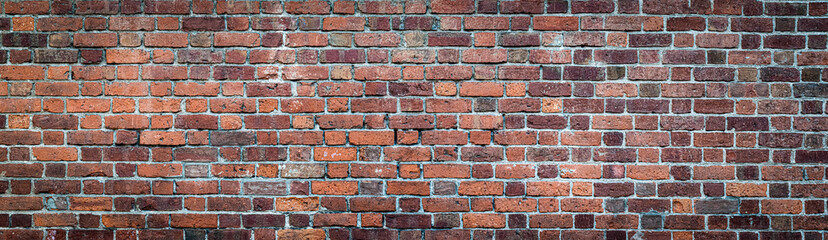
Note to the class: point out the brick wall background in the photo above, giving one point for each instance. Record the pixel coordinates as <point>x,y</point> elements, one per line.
<point>165,119</point>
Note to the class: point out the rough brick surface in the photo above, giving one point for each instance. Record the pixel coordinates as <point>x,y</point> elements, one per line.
<point>413,119</point>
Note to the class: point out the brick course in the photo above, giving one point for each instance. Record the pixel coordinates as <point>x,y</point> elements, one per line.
<point>440,119</point>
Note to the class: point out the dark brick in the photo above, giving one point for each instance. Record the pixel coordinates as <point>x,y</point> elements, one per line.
<point>752,24</point>
<point>651,222</point>
<point>546,122</point>
<point>778,74</point>
<point>584,221</point>
<point>806,156</point>
<point>539,89</point>
<point>613,189</point>
<point>616,56</point>
<point>749,222</point>
<point>519,40</point>
<point>813,25</point>
<point>547,154</point>
<point>650,40</point>
<point>446,39</point>
<point>713,189</point>
<point>24,40</point>
<point>679,190</point>
<point>418,23</point>
<point>66,122</point>
<point>55,56</point>
<point>649,205</point>
<point>684,57</point>
<point>686,24</point>
<point>375,234</point>
<point>785,42</point>
<point>229,234</point>
<point>691,222</point>
<point>716,206</point>
<point>584,73</point>
<point>263,220</point>
<point>202,24</point>
<point>159,203</point>
<point>408,221</point>
<point>551,73</point>
<point>747,123</point>
<point>714,74</point>
<point>196,122</point>
<point>90,234</point>
<point>818,90</point>
<point>410,88</point>
<point>785,9</point>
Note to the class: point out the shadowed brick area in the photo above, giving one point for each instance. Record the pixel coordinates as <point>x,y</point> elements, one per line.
<point>413,119</point>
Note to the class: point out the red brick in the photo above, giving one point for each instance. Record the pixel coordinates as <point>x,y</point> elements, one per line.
<point>127,187</point>
<point>95,40</point>
<point>452,6</point>
<point>376,39</point>
<point>484,56</point>
<point>165,39</point>
<point>194,220</point>
<point>228,204</point>
<point>305,73</point>
<point>271,56</point>
<point>308,7</point>
<point>554,23</point>
<point>334,187</point>
<point>486,23</point>
<point>22,73</point>
<point>222,39</point>
<point>59,24</point>
<point>448,73</point>
<point>55,154</point>
<point>395,86</point>
<point>120,56</point>
<point>164,73</point>
<point>197,187</point>
<point>157,105</point>
<point>446,171</point>
<point>202,24</point>
<point>334,154</point>
<point>484,220</point>
<point>343,24</point>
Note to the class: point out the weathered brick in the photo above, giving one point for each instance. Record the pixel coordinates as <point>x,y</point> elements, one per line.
<point>95,40</point>
<point>24,40</point>
<point>412,115</point>
<point>311,7</point>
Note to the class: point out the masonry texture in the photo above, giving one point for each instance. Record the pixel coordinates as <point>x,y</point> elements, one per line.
<point>441,119</point>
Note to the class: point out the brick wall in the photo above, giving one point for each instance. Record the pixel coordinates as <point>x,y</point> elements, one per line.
<point>165,119</point>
